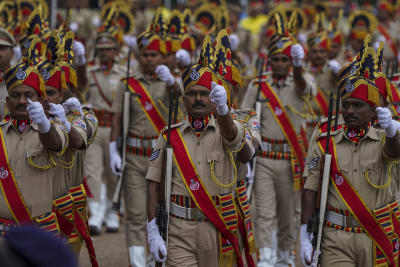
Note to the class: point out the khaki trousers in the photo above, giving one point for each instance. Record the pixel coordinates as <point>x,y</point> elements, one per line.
<point>274,199</point>
<point>97,165</point>
<point>343,249</point>
<point>192,244</point>
<point>135,194</point>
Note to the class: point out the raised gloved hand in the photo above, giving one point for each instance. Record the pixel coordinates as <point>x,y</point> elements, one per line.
<point>297,54</point>
<point>334,66</point>
<point>115,159</point>
<point>156,243</point>
<point>234,41</point>
<point>37,115</point>
<point>386,121</point>
<point>79,52</point>
<point>183,58</point>
<point>219,98</point>
<point>130,41</point>
<point>58,111</point>
<point>164,74</point>
<point>72,104</point>
<point>306,247</point>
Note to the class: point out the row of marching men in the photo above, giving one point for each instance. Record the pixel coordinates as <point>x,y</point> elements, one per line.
<point>208,206</point>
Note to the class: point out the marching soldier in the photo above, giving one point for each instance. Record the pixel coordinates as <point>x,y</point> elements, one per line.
<point>204,220</point>
<point>362,219</point>
<point>7,43</point>
<point>279,164</point>
<point>322,69</point>
<point>101,79</point>
<point>29,143</point>
<point>68,196</point>
<point>149,89</point>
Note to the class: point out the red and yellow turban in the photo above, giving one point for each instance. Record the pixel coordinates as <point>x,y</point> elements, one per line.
<point>154,37</point>
<point>26,72</point>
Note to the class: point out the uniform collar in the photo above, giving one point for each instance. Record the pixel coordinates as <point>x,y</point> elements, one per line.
<point>282,83</point>
<point>139,75</point>
<point>8,124</point>
<point>372,134</point>
<point>187,124</point>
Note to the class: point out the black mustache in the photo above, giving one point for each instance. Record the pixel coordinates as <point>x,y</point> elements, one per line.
<point>350,117</point>
<point>20,107</point>
<point>198,104</point>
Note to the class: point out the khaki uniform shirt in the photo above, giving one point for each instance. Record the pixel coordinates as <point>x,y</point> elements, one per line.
<point>35,184</point>
<point>139,124</point>
<point>211,146</point>
<point>290,98</point>
<point>356,161</point>
<point>108,84</point>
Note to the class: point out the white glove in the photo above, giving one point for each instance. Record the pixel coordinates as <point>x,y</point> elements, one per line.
<point>386,121</point>
<point>219,98</point>
<point>334,66</point>
<point>72,104</point>
<point>130,41</point>
<point>37,115</point>
<point>17,53</point>
<point>183,58</point>
<point>234,41</point>
<point>305,245</point>
<point>164,74</point>
<point>79,52</point>
<point>115,158</point>
<point>156,243</point>
<point>297,54</point>
<point>59,112</point>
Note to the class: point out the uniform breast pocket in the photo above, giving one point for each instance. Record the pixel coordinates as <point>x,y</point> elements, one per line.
<point>375,174</point>
<point>215,160</point>
<point>39,158</point>
<point>344,166</point>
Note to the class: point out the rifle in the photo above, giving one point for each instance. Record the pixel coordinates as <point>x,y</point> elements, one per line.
<point>324,189</point>
<point>125,124</point>
<point>258,111</point>
<point>163,207</point>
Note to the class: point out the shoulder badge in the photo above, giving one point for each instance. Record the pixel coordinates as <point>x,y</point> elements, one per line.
<point>173,126</point>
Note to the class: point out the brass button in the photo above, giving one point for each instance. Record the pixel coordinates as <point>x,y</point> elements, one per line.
<point>198,143</point>
<point>355,170</point>
<point>198,162</point>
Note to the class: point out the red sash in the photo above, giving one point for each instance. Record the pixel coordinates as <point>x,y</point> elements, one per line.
<point>198,192</point>
<point>322,102</point>
<point>389,40</point>
<point>108,101</point>
<point>283,121</point>
<point>9,188</point>
<point>147,104</point>
<point>356,205</point>
<point>396,99</point>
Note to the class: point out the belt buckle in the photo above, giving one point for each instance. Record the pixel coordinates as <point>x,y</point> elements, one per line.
<point>351,221</point>
<point>286,148</point>
<point>267,147</point>
<point>197,214</point>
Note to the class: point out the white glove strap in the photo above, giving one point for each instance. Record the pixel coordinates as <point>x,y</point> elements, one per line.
<point>152,229</point>
<point>391,130</point>
<point>297,62</point>
<point>80,60</point>
<point>222,110</point>
<point>44,126</point>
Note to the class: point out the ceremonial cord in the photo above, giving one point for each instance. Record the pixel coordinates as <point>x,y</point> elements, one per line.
<point>387,184</point>
<point>212,174</point>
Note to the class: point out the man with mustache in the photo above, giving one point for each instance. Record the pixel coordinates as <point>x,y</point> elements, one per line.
<point>100,82</point>
<point>323,70</point>
<point>207,145</point>
<point>282,94</point>
<point>149,89</point>
<point>30,141</point>
<point>361,205</point>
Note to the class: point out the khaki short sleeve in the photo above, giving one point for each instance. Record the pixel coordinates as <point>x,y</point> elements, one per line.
<point>156,159</point>
<point>119,98</point>
<point>312,168</point>
<point>239,138</point>
<point>62,133</point>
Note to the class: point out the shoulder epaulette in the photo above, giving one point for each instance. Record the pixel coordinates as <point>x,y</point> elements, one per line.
<point>176,125</point>
<point>323,127</point>
<point>3,122</point>
<point>244,114</point>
